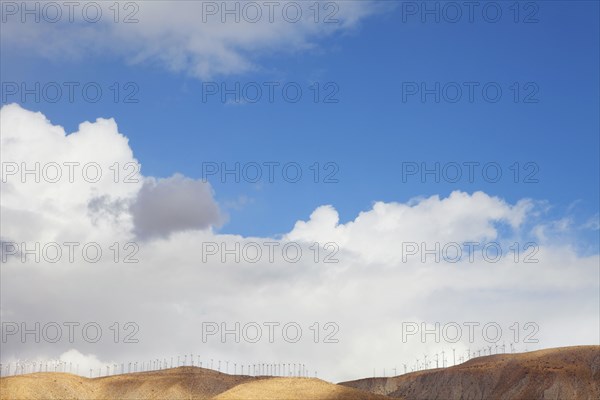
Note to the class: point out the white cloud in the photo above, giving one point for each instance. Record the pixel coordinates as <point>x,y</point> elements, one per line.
<point>75,361</point>
<point>173,289</point>
<point>199,44</point>
<point>84,184</point>
<point>377,233</point>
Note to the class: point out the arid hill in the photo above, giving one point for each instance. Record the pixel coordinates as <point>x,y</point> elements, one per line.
<point>562,373</point>
<point>173,384</point>
<point>176,383</point>
<point>295,388</point>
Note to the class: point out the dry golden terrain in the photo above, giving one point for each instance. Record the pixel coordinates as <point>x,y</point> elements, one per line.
<point>177,383</point>
<point>565,373</point>
<point>295,388</point>
<point>173,384</point>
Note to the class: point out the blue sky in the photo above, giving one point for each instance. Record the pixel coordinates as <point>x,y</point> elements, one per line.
<point>370,132</point>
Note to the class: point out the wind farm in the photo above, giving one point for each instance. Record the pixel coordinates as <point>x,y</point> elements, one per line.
<point>561,373</point>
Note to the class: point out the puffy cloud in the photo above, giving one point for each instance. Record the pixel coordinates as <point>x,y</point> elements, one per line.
<point>69,173</point>
<point>186,276</point>
<point>87,185</point>
<point>75,361</point>
<point>377,233</point>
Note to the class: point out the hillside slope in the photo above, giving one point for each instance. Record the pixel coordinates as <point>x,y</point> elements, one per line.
<point>176,383</point>
<point>295,388</point>
<point>562,373</point>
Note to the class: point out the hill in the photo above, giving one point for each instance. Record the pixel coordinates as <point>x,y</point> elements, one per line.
<point>561,373</point>
<point>295,388</point>
<point>176,383</point>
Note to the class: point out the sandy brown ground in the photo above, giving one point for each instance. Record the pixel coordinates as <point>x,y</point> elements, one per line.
<point>173,384</point>
<point>564,373</point>
<point>295,388</point>
<point>177,383</point>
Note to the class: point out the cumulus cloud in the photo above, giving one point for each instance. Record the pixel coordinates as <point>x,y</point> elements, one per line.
<point>87,184</point>
<point>50,178</point>
<point>183,276</point>
<point>205,41</point>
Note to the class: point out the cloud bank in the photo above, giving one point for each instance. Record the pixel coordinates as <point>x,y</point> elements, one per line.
<point>171,274</point>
